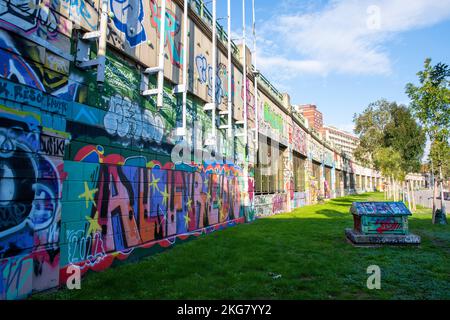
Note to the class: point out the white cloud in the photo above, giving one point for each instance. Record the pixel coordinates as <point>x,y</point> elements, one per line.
<point>286,67</point>
<point>341,38</point>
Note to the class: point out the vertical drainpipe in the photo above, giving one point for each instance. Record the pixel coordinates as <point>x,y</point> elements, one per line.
<point>185,66</point>
<point>229,102</point>
<point>214,67</point>
<point>101,54</point>
<point>244,78</point>
<point>244,84</point>
<point>256,82</point>
<point>161,59</point>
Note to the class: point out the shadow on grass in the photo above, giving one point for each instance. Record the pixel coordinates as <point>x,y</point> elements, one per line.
<point>310,253</point>
<point>306,248</point>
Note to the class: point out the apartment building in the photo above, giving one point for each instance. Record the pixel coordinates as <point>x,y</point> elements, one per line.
<point>312,115</point>
<point>345,141</point>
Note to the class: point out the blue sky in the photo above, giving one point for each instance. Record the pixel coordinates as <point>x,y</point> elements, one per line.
<point>344,54</point>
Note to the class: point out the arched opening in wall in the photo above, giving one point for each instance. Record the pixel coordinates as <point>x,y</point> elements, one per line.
<point>316,170</point>
<point>358,181</point>
<point>299,172</point>
<point>352,181</point>
<point>314,182</point>
<point>269,169</point>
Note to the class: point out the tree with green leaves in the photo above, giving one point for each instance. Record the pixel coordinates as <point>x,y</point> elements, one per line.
<point>370,126</point>
<point>404,135</point>
<point>430,103</point>
<point>391,141</point>
<point>440,152</point>
<point>388,160</point>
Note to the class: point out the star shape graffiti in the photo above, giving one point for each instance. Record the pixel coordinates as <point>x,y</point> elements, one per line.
<point>187,219</point>
<point>88,195</point>
<point>189,204</point>
<point>165,195</point>
<point>94,226</point>
<point>154,183</point>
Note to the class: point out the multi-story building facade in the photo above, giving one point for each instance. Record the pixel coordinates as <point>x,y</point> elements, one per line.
<point>343,140</point>
<point>312,115</point>
<point>104,156</point>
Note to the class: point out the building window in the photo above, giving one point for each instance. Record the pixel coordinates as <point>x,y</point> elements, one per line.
<point>269,177</point>
<point>352,181</point>
<point>358,181</point>
<point>316,171</point>
<point>299,172</point>
<point>338,180</point>
<point>328,176</point>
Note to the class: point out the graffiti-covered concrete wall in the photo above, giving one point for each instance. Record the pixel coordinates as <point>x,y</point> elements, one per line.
<point>87,175</point>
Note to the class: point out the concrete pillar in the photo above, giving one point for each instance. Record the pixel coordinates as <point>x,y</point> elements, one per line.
<point>312,192</point>
<point>288,177</point>
<point>333,182</point>
<point>322,179</point>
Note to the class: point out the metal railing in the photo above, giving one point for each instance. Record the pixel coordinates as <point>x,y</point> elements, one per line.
<point>270,88</point>
<point>202,11</point>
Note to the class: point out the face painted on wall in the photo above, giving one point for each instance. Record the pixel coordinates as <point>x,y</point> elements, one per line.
<point>29,180</point>
<point>128,19</point>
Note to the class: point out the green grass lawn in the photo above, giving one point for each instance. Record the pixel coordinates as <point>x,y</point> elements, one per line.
<point>307,247</point>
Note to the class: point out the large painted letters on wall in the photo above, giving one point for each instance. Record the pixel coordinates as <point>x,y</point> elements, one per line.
<point>125,203</point>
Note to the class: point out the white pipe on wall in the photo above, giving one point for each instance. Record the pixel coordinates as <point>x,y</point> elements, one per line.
<point>185,66</point>
<point>103,29</point>
<point>244,44</point>
<point>230,101</point>
<point>162,36</point>
<point>256,81</point>
<point>101,53</point>
<point>214,67</point>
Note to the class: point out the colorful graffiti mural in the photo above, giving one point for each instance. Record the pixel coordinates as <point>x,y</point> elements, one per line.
<point>273,119</point>
<point>31,177</point>
<point>299,140</point>
<point>204,70</point>
<point>270,204</point>
<point>127,120</point>
<point>30,16</point>
<point>300,199</point>
<point>129,202</point>
<point>128,16</point>
<point>173,28</point>
<point>86,175</point>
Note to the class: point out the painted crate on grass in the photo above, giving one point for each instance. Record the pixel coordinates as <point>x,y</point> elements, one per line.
<point>380,217</point>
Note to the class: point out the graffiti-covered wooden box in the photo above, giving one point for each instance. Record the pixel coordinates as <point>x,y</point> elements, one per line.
<point>380,217</point>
